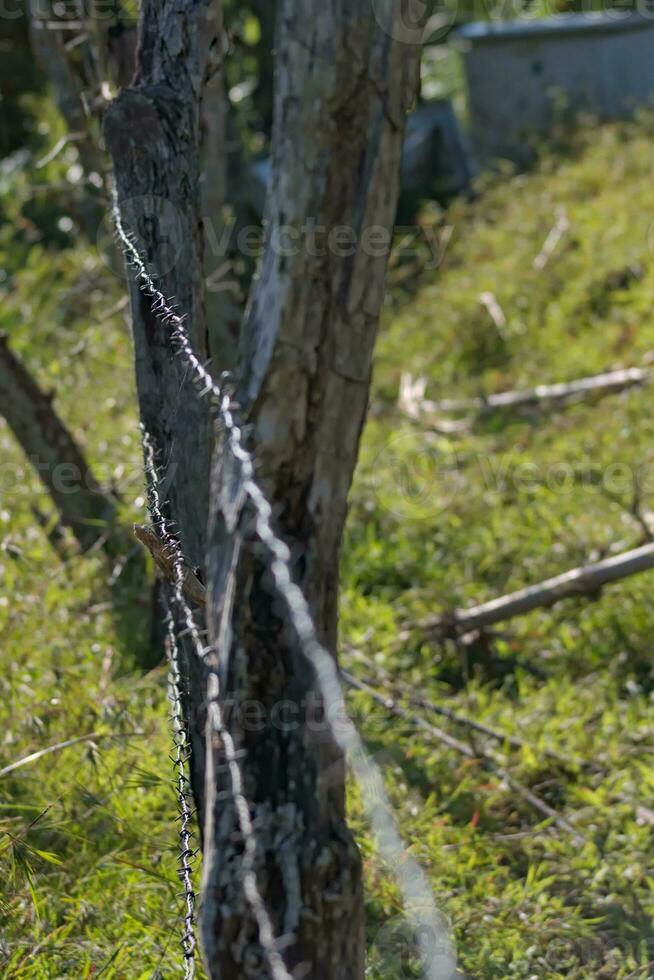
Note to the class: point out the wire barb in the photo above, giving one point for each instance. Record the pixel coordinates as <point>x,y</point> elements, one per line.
<point>181,743</point>
<point>216,723</point>
<point>411,879</point>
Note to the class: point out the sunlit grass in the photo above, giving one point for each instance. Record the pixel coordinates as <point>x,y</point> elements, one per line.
<point>88,834</point>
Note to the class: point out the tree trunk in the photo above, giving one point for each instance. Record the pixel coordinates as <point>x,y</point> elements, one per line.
<point>344,83</point>
<point>50,52</point>
<point>52,451</point>
<point>224,312</point>
<point>343,87</point>
<point>153,133</point>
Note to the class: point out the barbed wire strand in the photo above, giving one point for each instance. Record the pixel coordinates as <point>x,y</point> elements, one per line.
<point>216,720</point>
<point>180,761</point>
<point>180,735</point>
<point>415,889</point>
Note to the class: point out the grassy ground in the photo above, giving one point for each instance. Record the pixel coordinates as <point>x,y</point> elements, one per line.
<point>87,835</point>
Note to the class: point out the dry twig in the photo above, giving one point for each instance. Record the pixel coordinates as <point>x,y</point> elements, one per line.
<point>466,750</point>
<point>412,401</point>
<point>559,229</point>
<point>58,746</point>
<point>588,580</point>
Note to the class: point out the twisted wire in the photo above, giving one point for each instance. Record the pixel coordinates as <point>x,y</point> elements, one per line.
<point>180,761</point>
<point>216,723</point>
<point>411,880</point>
<point>180,735</point>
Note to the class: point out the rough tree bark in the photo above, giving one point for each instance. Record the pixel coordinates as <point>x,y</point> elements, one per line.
<point>153,133</point>
<point>53,452</point>
<point>346,74</point>
<point>224,313</point>
<point>344,84</point>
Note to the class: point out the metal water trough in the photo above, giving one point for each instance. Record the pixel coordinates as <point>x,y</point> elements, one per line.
<point>523,76</point>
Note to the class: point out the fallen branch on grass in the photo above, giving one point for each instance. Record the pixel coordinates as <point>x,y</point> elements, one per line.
<point>418,701</point>
<point>558,231</point>
<point>59,746</point>
<point>489,302</point>
<point>412,401</point>
<point>484,758</point>
<point>587,580</point>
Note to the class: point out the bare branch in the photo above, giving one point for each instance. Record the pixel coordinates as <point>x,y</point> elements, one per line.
<point>463,749</point>
<point>558,231</point>
<point>587,580</point>
<point>412,401</point>
<point>418,701</point>
<point>490,303</point>
<point>58,746</point>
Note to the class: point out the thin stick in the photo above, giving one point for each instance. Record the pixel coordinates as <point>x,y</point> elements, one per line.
<point>412,402</point>
<point>418,701</point>
<point>60,145</point>
<point>560,228</point>
<point>466,750</point>
<point>585,580</point>
<point>496,313</point>
<point>59,746</point>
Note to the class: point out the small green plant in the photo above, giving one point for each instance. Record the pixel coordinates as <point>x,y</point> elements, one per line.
<point>88,834</point>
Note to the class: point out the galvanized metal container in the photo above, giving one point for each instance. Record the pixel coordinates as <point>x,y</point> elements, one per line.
<point>523,75</point>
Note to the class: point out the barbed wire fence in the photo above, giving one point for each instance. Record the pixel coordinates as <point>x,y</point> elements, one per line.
<point>417,896</point>
<point>181,743</point>
<point>215,723</point>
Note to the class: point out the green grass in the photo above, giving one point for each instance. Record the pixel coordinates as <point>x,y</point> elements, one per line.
<point>87,835</point>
